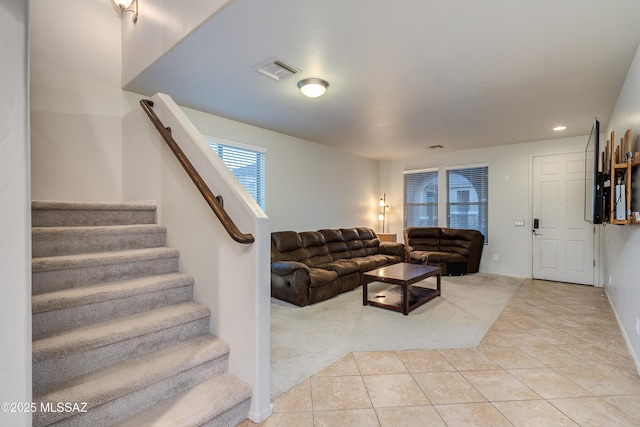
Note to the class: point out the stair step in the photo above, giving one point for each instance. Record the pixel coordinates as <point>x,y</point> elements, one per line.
<point>56,273</point>
<point>62,357</point>
<point>65,214</point>
<point>200,405</point>
<point>115,325</point>
<point>57,241</point>
<point>60,311</point>
<point>125,389</point>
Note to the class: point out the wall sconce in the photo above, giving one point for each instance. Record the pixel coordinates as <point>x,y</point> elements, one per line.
<point>384,210</point>
<point>127,6</point>
<point>313,87</point>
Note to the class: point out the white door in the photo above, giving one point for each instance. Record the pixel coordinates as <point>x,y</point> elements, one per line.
<point>563,241</point>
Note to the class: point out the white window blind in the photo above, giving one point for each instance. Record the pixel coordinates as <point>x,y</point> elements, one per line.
<point>421,199</point>
<point>247,165</point>
<point>468,198</point>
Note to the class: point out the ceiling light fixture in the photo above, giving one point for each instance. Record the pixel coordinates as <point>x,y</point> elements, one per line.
<point>559,128</point>
<point>127,6</point>
<point>313,87</point>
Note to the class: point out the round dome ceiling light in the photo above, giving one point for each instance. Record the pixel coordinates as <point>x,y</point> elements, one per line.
<point>313,87</point>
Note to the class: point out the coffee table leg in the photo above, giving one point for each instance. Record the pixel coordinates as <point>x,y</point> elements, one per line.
<point>438,278</point>
<point>405,298</point>
<point>364,291</point>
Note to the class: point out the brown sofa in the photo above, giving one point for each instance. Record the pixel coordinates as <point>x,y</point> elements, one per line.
<point>455,251</point>
<point>313,266</point>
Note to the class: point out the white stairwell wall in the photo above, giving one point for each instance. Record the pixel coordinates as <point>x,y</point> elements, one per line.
<point>15,208</point>
<point>232,279</point>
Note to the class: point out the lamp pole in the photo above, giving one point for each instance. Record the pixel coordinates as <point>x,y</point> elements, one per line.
<point>383,213</point>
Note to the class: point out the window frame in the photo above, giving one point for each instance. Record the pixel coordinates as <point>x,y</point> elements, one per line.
<point>482,203</point>
<point>258,194</point>
<point>428,206</point>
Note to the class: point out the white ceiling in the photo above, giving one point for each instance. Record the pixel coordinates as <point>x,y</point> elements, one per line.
<point>408,74</point>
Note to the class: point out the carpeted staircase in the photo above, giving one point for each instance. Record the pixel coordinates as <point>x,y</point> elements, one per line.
<point>115,325</point>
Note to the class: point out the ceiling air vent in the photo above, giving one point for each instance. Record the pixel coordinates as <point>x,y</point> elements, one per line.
<point>277,70</point>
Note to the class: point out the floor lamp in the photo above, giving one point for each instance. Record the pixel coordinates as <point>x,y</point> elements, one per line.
<point>383,210</point>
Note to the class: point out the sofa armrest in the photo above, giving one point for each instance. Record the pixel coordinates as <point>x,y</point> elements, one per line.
<point>407,253</point>
<point>282,268</point>
<point>392,248</point>
<point>475,253</point>
<point>290,282</point>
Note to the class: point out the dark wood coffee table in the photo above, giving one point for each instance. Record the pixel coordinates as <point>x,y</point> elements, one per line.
<point>402,296</point>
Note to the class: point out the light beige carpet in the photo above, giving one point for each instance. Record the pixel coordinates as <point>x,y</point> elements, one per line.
<point>304,340</point>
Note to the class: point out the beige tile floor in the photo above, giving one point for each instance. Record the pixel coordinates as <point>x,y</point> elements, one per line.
<point>554,357</point>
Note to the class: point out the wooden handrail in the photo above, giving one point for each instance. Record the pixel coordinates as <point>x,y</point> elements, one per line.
<point>212,200</point>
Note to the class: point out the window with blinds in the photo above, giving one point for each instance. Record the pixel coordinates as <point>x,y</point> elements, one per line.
<point>247,165</point>
<point>421,198</point>
<point>468,198</point>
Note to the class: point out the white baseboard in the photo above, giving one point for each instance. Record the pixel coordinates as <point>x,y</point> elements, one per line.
<point>634,356</point>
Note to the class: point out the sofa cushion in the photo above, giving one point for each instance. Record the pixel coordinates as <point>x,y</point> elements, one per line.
<point>366,233</point>
<point>317,251</point>
<point>370,241</point>
<point>354,243</point>
<point>364,263</point>
<point>436,257</point>
<point>341,266</point>
<point>286,241</point>
<point>311,238</point>
<point>455,240</point>
<point>287,246</point>
<point>379,259</point>
<point>423,239</point>
<point>335,243</point>
<point>320,277</point>
<point>392,259</point>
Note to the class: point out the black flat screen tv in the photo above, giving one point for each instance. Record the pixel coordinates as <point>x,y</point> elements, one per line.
<point>594,197</point>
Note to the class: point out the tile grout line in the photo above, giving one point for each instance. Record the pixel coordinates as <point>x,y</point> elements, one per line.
<point>604,344</point>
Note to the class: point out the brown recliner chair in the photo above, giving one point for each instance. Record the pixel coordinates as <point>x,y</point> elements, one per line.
<point>455,251</point>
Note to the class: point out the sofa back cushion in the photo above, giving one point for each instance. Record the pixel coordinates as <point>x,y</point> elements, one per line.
<point>334,240</point>
<point>458,240</point>
<point>287,246</point>
<point>369,239</point>
<point>317,251</point>
<point>354,243</point>
<point>451,240</point>
<point>423,238</point>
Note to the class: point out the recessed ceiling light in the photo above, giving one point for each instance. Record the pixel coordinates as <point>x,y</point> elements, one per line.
<point>559,128</point>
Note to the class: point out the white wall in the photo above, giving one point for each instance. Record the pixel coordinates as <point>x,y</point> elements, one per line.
<point>308,186</point>
<point>77,106</point>
<point>76,100</point>
<point>161,24</point>
<point>509,196</point>
<point>622,243</point>
<point>232,279</point>
<point>15,205</point>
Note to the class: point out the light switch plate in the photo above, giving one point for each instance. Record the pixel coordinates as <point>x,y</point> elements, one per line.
<point>519,223</point>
